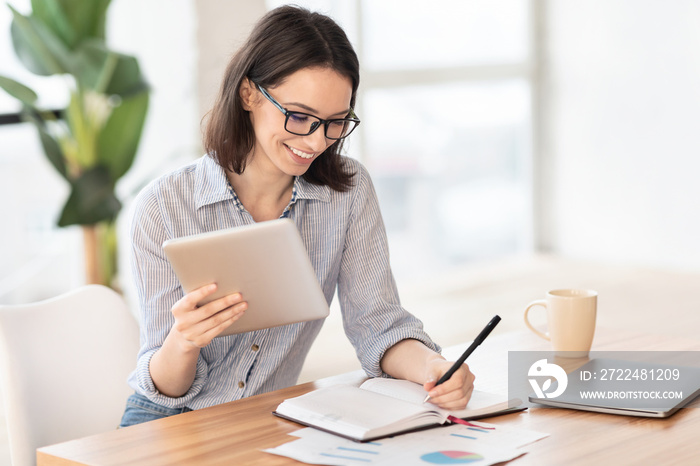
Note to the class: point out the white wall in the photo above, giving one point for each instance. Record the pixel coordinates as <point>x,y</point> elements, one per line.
<point>221,29</point>
<point>622,130</point>
<point>162,35</point>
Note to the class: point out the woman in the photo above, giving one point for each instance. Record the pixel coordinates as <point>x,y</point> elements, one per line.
<point>273,144</point>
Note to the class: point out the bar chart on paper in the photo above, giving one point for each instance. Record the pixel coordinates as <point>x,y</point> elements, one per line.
<point>366,453</point>
<point>451,457</point>
<point>479,444</point>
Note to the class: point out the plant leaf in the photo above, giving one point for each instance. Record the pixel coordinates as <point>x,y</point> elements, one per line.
<point>92,199</point>
<point>29,38</point>
<point>89,18</point>
<point>127,78</point>
<point>52,149</point>
<point>108,72</point>
<point>85,19</point>
<point>51,13</point>
<point>18,90</point>
<point>118,141</point>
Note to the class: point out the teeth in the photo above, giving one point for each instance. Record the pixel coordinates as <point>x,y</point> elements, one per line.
<point>301,154</point>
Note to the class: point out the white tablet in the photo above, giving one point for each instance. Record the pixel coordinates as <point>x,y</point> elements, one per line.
<point>266,262</point>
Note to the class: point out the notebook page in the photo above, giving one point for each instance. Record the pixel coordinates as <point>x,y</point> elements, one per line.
<point>480,402</point>
<point>401,389</point>
<point>348,409</point>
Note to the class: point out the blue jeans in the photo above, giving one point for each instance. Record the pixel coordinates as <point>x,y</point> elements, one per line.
<point>140,409</point>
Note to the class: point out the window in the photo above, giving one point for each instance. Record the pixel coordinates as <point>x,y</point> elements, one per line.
<point>446,107</point>
<point>32,247</point>
<point>446,122</point>
<point>51,90</point>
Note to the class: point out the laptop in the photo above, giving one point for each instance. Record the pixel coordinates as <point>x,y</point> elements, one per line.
<point>631,388</point>
<point>266,262</point>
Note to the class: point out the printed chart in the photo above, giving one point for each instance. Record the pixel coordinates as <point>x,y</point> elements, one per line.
<point>477,444</point>
<point>451,457</point>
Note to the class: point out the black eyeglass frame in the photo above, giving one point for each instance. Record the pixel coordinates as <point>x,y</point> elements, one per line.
<point>314,127</point>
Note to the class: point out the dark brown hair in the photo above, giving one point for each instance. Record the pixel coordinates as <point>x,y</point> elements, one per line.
<point>285,40</point>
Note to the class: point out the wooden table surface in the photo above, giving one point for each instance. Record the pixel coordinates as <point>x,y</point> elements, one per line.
<point>236,432</point>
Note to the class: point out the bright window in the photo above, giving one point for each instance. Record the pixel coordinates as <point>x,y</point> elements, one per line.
<point>445,101</point>
<point>412,35</point>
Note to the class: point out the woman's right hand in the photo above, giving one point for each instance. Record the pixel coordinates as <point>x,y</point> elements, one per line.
<point>197,326</point>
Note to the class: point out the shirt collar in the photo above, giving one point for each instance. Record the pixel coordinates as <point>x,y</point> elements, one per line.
<point>306,190</point>
<point>212,185</point>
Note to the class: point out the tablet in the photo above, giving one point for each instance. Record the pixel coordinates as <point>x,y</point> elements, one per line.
<point>266,262</point>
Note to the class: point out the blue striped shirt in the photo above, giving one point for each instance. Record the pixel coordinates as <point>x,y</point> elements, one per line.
<point>345,237</point>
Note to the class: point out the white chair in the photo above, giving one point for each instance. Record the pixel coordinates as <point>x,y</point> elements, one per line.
<point>64,364</point>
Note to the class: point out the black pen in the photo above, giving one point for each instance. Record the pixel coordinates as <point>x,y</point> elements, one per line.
<point>477,341</point>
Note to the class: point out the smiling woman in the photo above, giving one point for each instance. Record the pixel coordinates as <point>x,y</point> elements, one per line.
<point>229,135</point>
<point>288,143</point>
<point>296,66</point>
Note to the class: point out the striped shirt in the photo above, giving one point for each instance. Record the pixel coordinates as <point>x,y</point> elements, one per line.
<point>345,237</point>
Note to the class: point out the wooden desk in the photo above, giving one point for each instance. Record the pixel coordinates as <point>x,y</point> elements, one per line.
<point>234,433</point>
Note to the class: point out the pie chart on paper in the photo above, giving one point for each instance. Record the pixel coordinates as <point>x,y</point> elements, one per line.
<point>451,457</point>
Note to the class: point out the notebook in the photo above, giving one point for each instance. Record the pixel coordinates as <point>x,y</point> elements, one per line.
<point>630,388</point>
<point>382,407</point>
<point>266,262</point>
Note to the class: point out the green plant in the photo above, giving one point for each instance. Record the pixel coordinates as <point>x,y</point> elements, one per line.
<point>93,141</point>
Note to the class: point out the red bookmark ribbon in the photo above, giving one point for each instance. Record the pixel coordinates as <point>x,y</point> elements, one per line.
<point>456,420</point>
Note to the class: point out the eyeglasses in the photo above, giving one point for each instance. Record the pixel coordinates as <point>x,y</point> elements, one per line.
<point>303,124</point>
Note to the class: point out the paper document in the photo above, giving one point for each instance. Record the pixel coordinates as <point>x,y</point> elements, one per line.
<point>480,443</point>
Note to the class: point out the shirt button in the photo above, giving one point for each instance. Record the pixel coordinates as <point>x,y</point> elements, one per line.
<point>255,347</point>
<point>241,384</point>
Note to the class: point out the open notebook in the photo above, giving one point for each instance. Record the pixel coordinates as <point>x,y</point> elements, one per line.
<point>381,408</point>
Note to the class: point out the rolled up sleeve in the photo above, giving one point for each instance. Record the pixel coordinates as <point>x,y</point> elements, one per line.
<point>373,317</point>
<point>158,290</point>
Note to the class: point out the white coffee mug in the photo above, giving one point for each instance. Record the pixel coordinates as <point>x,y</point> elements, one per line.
<point>571,316</point>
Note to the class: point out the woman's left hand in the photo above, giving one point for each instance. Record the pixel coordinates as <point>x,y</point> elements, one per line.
<point>454,393</point>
